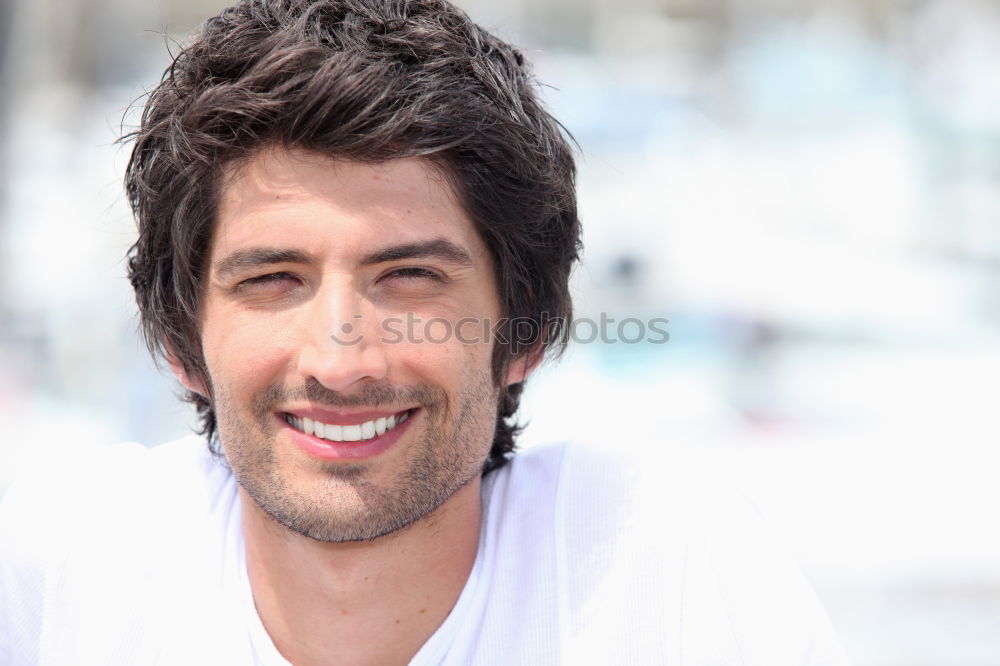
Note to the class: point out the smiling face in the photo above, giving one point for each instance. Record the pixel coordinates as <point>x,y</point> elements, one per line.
<point>336,428</point>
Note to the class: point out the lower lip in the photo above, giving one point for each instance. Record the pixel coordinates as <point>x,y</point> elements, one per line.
<point>365,448</point>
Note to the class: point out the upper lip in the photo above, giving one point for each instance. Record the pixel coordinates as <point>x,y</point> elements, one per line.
<point>342,416</point>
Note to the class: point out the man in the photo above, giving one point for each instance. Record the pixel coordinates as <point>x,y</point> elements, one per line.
<point>345,210</point>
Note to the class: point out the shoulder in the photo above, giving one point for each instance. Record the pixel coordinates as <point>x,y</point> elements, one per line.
<point>87,540</point>
<point>615,487</point>
<point>662,556</point>
<point>113,500</point>
<point>104,482</point>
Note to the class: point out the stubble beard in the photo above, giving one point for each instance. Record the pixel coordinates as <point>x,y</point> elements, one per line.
<point>339,502</point>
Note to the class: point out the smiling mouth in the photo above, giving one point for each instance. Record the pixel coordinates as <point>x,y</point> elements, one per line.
<point>358,432</point>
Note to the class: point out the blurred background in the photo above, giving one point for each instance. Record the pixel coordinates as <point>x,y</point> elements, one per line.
<point>808,191</point>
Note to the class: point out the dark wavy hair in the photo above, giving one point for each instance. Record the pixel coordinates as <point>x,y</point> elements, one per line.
<point>364,80</point>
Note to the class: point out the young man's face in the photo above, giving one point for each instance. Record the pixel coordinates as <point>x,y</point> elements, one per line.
<point>316,268</point>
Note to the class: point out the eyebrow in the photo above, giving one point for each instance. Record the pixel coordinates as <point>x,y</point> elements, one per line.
<point>242,260</point>
<point>438,248</point>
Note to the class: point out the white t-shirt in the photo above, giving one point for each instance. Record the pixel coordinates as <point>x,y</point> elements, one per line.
<point>135,556</point>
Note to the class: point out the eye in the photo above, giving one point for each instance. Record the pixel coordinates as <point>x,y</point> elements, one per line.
<point>266,280</point>
<point>414,273</point>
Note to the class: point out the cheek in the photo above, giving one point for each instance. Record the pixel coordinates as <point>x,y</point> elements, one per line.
<point>245,351</point>
<point>441,349</point>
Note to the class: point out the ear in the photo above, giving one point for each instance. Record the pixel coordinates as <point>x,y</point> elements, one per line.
<point>189,381</point>
<point>522,366</point>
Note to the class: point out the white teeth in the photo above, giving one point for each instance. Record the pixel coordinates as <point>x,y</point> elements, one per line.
<point>347,433</point>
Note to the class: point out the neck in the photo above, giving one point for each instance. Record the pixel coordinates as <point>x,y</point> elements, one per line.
<point>371,602</point>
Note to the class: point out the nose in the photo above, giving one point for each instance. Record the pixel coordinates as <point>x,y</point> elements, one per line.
<point>340,344</point>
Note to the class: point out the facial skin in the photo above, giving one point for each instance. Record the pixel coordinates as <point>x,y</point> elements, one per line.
<point>306,248</point>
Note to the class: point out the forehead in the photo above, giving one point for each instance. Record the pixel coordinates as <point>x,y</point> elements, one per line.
<point>302,196</point>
